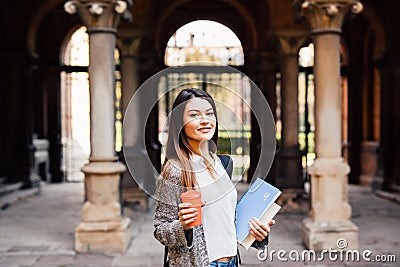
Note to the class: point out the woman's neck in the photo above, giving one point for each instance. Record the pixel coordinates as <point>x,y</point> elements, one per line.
<point>200,148</point>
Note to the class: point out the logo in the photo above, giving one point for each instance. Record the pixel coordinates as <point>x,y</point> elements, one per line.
<point>341,243</point>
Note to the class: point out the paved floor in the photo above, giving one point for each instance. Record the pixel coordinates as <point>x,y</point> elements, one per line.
<point>39,232</point>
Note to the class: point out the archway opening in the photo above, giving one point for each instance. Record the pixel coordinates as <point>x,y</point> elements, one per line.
<point>204,41</point>
<point>75,105</point>
<point>208,43</point>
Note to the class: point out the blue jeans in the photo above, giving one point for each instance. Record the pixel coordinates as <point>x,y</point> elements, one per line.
<point>231,263</point>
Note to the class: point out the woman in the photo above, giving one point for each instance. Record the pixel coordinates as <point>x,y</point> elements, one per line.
<point>191,163</point>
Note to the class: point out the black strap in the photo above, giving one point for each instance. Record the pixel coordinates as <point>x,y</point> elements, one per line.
<point>227,162</point>
<point>166,263</point>
<point>238,259</point>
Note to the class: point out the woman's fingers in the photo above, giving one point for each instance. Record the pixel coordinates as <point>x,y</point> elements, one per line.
<point>258,229</point>
<point>188,221</point>
<point>187,215</point>
<point>187,211</point>
<point>258,225</point>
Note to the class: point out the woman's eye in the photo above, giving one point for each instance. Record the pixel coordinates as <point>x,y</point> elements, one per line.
<point>210,113</point>
<point>193,115</point>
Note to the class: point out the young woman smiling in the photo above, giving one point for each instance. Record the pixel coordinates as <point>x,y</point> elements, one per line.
<point>191,163</point>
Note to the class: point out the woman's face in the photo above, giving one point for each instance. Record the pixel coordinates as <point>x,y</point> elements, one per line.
<point>198,120</point>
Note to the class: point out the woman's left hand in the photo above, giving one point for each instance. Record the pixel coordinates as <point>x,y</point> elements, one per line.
<point>259,229</point>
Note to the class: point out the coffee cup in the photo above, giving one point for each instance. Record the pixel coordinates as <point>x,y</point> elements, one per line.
<point>193,197</point>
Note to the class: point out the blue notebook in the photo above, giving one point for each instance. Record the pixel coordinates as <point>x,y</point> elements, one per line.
<point>259,202</point>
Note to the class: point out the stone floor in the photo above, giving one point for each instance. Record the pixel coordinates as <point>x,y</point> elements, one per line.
<point>38,231</point>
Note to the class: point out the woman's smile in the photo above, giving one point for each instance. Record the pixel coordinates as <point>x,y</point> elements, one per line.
<point>205,129</point>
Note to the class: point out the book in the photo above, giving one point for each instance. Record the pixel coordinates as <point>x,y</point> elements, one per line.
<point>258,202</point>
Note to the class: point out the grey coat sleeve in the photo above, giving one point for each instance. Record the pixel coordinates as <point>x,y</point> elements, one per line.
<point>168,229</point>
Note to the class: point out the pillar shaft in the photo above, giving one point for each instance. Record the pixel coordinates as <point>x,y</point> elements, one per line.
<point>130,79</point>
<point>289,155</point>
<point>268,67</point>
<point>330,214</point>
<point>129,69</point>
<point>290,107</point>
<point>328,123</point>
<point>102,228</point>
<point>290,42</point>
<point>129,41</point>
<point>101,80</point>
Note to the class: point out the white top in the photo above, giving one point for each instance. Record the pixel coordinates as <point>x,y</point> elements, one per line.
<point>218,215</point>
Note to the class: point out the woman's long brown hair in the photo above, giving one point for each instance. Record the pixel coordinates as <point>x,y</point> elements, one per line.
<point>177,146</point>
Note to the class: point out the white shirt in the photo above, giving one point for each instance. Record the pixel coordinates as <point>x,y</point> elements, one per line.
<point>218,215</point>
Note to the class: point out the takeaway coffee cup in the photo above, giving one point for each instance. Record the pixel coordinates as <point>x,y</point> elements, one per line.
<point>193,197</point>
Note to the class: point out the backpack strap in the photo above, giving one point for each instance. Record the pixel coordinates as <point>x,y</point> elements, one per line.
<point>166,263</point>
<point>227,162</point>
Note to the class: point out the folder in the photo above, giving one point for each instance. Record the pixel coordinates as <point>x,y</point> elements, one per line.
<point>258,202</point>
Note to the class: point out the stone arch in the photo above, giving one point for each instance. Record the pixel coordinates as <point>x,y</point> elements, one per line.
<point>377,29</point>
<point>162,33</point>
<point>36,21</point>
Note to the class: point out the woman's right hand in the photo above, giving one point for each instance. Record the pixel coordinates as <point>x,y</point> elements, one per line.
<point>187,215</point>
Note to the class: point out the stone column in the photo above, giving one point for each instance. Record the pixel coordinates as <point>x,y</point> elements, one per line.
<point>129,42</point>
<point>330,213</point>
<point>102,228</point>
<point>268,68</point>
<point>289,155</point>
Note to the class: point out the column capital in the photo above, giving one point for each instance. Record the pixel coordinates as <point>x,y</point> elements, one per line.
<point>327,15</point>
<point>290,40</point>
<point>129,41</point>
<point>99,15</point>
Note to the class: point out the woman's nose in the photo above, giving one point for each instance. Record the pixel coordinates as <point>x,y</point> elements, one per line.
<point>204,119</point>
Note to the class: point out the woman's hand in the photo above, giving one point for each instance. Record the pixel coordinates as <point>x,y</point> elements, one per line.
<point>260,230</point>
<point>187,215</point>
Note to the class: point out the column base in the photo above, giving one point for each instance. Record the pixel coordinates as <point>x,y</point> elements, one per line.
<point>294,200</point>
<point>366,180</point>
<point>318,236</point>
<point>289,168</point>
<point>136,196</point>
<point>369,162</point>
<point>33,182</point>
<point>102,229</point>
<point>377,183</point>
<point>103,237</point>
